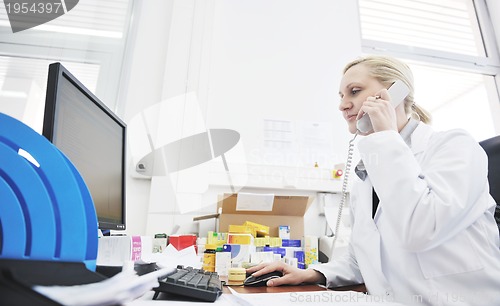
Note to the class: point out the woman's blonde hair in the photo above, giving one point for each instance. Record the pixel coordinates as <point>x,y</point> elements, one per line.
<point>387,70</point>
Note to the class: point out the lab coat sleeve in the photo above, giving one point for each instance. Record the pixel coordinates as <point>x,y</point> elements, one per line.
<point>343,271</point>
<point>430,200</point>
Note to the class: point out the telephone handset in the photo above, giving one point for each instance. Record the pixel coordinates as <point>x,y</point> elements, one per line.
<point>398,92</point>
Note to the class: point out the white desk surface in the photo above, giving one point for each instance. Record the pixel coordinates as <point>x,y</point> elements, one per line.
<point>313,298</point>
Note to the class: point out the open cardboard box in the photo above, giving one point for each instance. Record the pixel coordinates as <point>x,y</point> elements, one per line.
<point>287,210</point>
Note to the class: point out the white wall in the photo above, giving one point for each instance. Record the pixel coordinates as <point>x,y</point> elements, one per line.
<point>245,61</point>
<point>281,60</point>
<point>142,86</point>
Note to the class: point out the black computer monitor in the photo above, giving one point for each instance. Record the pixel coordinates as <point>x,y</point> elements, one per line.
<point>93,138</point>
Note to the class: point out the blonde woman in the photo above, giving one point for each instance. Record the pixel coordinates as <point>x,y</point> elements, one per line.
<point>423,230</point>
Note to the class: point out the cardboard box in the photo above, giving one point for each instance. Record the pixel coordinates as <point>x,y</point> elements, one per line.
<point>286,210</point>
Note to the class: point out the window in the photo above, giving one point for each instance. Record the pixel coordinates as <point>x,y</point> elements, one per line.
<point>89,40</point>
<point>450,47</point>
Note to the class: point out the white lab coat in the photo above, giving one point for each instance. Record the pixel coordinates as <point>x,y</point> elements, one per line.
<point>433,240</point>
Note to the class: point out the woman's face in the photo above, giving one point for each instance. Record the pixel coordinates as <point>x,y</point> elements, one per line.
<point>356,85</point>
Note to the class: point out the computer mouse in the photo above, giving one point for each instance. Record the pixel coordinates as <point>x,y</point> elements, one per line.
<point>261,280</point>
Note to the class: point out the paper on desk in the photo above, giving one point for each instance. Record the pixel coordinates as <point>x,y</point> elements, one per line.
<point>170,257</point>
<point>255,202</point>
<point>311,298</point>
<point>123,287</point>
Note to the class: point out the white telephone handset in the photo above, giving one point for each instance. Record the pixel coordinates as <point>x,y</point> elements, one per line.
<point>398,92</point>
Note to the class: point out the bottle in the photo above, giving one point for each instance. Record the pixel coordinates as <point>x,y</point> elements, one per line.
<point>209,258</point>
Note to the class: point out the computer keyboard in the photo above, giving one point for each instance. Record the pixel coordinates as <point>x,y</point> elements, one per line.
<point>192,283</point>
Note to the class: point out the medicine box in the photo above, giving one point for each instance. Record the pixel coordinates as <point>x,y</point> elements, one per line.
<point>310,250</point>
<point>240,253</point>
<point>284,231</point>
<point>181,242</point>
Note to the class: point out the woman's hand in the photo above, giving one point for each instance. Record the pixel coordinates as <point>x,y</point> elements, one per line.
<point>291,275</point>
<point>382,113</point>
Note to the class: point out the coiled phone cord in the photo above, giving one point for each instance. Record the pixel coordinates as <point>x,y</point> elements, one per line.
<point>345,182</point>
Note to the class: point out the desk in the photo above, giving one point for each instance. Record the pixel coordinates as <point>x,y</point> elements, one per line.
<point>301,288</point>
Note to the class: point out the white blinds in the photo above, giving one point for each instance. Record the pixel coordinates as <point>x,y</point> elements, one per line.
<point>445,25</point>
<point>88,40</point>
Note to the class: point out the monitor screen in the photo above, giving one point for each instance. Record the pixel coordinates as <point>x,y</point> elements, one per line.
<point>93,138</point>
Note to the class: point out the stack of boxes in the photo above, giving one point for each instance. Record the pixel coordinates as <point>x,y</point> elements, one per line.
<point>248,237</point>
<point>247,244</point>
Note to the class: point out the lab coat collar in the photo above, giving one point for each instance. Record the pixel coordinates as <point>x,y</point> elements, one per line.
<point>407,133</point>
<point>420,137</point>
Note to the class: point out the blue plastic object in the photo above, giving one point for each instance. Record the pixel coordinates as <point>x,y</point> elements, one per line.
<point>46,212</point>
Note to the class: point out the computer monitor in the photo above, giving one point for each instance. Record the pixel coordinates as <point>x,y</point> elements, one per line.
<point>93,138</point>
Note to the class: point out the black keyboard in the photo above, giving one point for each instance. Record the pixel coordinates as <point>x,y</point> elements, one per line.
<point>192,283</point>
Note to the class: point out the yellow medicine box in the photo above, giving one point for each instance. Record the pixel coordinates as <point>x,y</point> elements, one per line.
<point>239,238</point>
<point>261,230</point>
<point>242,229</point>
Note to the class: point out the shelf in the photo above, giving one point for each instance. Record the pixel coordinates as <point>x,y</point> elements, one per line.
<point>276,177</point>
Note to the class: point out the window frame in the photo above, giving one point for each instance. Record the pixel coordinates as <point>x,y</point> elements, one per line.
<point>107,52</point>
<point>488,65</point>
